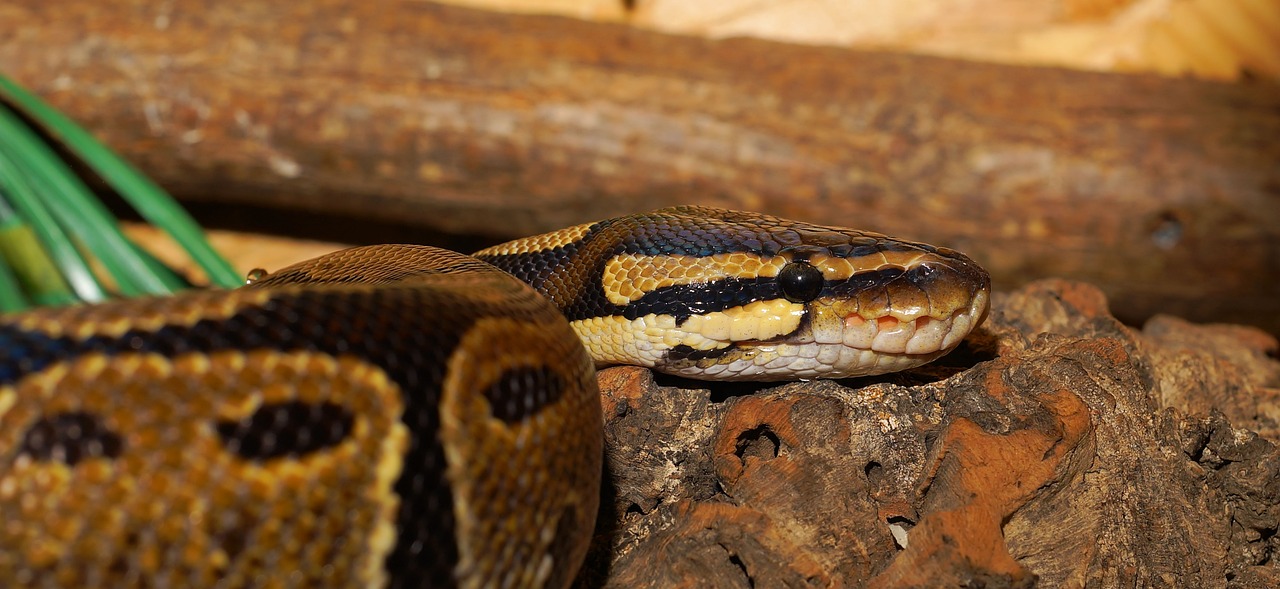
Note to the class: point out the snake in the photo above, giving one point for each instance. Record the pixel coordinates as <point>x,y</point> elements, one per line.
<point>405,416</point>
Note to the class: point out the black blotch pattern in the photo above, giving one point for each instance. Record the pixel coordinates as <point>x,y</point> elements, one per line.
<point>865,281</point>
<point>24,352</point>
<point>685,300</point>
<point>291,429</point>
<point>800,282</point>
<point>333,322</point>
<point>536,268</point>
<point>69,438</point>
<point>520,393</point>
<point>233,537</point>
<point>684,352</point>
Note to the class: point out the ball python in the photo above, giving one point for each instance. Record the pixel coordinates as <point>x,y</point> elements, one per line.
<point>401,416</point>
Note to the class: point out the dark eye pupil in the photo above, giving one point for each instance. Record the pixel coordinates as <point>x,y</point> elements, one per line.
<point>800,282</point>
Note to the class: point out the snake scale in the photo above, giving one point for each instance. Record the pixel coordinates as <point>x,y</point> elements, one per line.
<point>401,416</point>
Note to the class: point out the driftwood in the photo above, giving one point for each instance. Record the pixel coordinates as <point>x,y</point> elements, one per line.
<point>1057,448</point>
<point>1163,192</point>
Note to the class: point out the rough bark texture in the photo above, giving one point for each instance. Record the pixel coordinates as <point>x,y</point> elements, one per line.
<point>1057,448</point>
<point>1163,192</point>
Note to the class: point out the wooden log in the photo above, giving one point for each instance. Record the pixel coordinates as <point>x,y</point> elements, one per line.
<point>1164,192</point>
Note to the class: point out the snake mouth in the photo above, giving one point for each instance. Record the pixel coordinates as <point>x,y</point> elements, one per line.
<point>835,345</point>
<point>914,336</point>
<point>896,333</point>
<point>916,317</point>
<point>956,299</point>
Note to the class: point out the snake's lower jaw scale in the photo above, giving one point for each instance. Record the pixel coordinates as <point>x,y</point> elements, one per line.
<point>919,336</point>
<point>857,347</point>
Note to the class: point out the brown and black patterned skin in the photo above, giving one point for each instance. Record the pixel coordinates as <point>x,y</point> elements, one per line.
<point>698,292</point>
<point>392,416</point>
<point>401,416</point>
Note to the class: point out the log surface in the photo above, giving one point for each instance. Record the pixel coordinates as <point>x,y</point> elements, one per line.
<point>1166,193</point>
<point>1058,448</point>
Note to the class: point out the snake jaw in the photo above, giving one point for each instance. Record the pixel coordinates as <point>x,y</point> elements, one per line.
<point>832,344</point>
<point>885,329</point>
<point>921,335</point>
<point>858,326</point>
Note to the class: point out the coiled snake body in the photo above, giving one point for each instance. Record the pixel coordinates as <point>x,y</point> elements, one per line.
<point>408,417</point>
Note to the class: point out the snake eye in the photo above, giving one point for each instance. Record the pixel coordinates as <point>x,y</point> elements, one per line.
<point>800,282</point>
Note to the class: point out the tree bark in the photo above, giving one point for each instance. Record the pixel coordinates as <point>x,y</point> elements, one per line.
<point>1164,192</point>
<point>1056,448</point>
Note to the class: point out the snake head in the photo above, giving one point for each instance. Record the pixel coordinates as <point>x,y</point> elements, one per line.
<point>835,303</point>
<point>897,306</point>
<point>725,295</point>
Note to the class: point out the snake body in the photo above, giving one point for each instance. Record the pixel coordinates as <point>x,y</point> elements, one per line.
<point>401,416</point>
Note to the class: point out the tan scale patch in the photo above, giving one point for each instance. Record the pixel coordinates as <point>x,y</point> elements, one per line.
<point>539,243</point>
<point>761,320</point>
<point>550,461</point>
<point>628,277</point>
<point>176,505</point>
<point>617,340</point>
<point>7,400</point>
<point>645,341</point>
<point>114,318</point>
<point>834,268</point>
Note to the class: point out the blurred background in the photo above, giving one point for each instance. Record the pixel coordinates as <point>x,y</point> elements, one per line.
<point>1214,39</point>
<point>1134,144</point>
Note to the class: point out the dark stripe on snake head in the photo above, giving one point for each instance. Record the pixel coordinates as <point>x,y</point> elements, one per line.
<point>692,232</point>
<point>685,300</point>
<point>863,281</point>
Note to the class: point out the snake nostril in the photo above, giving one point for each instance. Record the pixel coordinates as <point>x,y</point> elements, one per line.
<point>800,282</point>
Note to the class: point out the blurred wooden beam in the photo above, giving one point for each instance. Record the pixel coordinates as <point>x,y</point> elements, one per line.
<point>1164,192</point>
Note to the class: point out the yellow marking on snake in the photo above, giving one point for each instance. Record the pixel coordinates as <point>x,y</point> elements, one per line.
<point>646,340</point>
<point>760,320</point>
<point>628,277</point>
